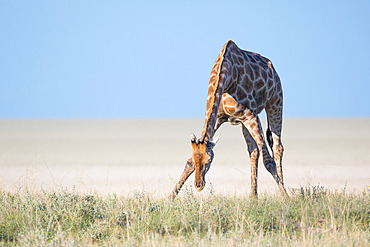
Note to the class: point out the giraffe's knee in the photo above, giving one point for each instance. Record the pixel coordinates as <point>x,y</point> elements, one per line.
<point>278,150</point>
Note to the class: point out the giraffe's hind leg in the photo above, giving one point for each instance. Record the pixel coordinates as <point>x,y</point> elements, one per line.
<point>273,133</point>
<point>274,120</point>
<point>254,155</point>
<point>277,151</point>
<point>253,125</point>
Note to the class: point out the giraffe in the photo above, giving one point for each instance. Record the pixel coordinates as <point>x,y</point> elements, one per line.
<point>242,84</point>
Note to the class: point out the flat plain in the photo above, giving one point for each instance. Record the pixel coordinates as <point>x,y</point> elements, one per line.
<point>124,156</point>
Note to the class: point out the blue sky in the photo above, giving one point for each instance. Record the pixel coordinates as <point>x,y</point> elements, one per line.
<point>118,59</point>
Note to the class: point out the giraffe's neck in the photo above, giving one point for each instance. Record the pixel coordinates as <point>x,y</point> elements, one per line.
<point>215,89</point>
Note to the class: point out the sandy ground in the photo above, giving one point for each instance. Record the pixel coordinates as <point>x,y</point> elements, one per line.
<point>124,156</point>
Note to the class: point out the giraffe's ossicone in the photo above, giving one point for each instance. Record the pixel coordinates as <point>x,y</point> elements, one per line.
<point>242,84</point>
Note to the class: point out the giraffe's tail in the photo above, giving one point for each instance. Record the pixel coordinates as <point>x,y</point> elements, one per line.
<point>269,137</point>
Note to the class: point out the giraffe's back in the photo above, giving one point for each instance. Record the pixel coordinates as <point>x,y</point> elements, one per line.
<point>252,80</point>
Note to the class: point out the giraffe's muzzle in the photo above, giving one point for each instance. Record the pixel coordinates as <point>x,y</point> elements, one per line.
<point>200,181</point>
<point>199,185</point>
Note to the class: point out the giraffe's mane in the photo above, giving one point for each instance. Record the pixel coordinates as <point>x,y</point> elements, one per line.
<point>215,82</point>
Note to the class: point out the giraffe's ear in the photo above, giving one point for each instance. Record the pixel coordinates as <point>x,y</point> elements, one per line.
<point>193,138</point>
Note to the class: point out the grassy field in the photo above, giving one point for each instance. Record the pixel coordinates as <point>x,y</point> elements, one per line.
<point>312,216</point>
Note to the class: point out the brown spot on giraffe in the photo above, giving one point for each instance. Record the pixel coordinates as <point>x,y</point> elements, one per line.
<point>240,93</point>
<point>255,69</point>
<point>253,105</point>
<point>240,60</point>
<point>249,71</point>
<point>270,83</point>
<point>251,58</point>
<point>264,74</point>
<point>278,87</point>
<point>241,85</point>
<point>261,97</point>
<point>234,71</point>
<point>247,85</point>
<point>259,84</point>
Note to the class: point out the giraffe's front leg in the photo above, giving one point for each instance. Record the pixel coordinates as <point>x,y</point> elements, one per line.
<point>188,170</point>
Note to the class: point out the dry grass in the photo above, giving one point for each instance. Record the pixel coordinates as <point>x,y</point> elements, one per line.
<point>312,216</point>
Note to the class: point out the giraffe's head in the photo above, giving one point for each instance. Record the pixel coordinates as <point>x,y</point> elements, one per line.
<point>202,158</point>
